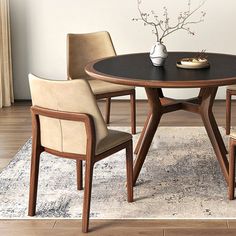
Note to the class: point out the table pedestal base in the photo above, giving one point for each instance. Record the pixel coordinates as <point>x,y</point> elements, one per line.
<point>201,105</point>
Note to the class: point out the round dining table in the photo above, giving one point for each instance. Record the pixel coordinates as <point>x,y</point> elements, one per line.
<point>137,70</point>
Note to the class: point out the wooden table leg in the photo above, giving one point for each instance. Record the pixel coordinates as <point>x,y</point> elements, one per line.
<point>202,105</point>
<point>219,137</point>
<point>142,134</point>
<point>155,114</point>
<point>160,94</point>
<point>208,97</point>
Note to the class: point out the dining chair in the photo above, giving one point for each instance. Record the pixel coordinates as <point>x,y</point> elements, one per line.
<point>84,48</point>
<point>231,90</point>
<point>67,122</point>
<point>232,146</point>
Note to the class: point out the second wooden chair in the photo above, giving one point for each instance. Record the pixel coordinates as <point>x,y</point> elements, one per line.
<point>231,90</point>
<point>84,48</point>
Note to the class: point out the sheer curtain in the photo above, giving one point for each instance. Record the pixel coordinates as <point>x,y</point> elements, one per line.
<point>6,85</point>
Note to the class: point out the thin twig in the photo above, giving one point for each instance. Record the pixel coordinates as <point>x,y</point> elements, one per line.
<point>164,26</point>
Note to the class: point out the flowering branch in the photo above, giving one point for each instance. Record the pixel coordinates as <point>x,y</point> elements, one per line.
<point>163,25</point>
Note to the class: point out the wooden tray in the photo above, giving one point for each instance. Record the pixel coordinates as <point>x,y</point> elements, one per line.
<point>192,67</point>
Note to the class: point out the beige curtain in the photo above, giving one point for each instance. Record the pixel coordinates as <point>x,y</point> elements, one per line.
<point>6,85</point>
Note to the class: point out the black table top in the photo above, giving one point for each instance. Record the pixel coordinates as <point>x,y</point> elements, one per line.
<point>137,69</point>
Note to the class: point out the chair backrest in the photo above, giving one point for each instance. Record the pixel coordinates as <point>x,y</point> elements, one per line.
<point>84,48</point>
<point>68,96</point>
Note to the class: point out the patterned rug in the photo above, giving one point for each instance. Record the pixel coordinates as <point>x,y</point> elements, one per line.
<point>181,178</point>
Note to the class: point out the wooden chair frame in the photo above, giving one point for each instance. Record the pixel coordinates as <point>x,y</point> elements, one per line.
<point>90,158</point>
<point>229,94</point>
<point>232,146</point>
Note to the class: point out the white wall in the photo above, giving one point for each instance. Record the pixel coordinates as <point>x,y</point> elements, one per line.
<point>39,29</point>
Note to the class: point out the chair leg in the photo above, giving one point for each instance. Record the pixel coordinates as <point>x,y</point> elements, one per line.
<point>228,112</point>
<point>87,195</point>
<point>232,169</point>
<point>129,170</point>
<point>108,110</point>
<point>133,112</point>
<point>79,168</point>
<point>34,173</point>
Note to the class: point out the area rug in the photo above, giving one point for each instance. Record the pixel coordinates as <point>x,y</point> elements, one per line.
<point>181,178</point>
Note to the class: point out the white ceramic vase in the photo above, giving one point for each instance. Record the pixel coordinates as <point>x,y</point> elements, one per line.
<point>158,54</point>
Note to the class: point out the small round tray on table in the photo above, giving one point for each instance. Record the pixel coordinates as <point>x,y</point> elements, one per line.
<point>192,66</point>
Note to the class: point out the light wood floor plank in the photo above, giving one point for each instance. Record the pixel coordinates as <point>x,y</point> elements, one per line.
<point>222,224</point>
<point>200,232</point>
<point>27,224</point>
<point>77,232</point>
<point>232,223</point>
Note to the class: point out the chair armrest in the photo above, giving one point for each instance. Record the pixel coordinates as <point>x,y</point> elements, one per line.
<point>62,115</point>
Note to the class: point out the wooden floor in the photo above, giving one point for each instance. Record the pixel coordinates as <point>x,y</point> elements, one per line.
<point>15,130</point>
<point>119,228</point>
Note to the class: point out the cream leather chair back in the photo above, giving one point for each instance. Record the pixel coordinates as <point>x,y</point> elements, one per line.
<point>71,96</point>
<point>84,48</point>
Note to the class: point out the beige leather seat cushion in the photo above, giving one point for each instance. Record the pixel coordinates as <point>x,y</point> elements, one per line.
<point>100,87</point>
<point>232,87</point>
<point>113,139</point>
